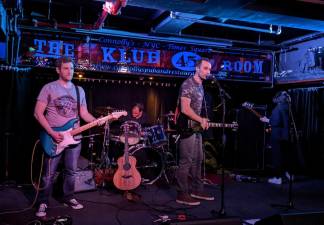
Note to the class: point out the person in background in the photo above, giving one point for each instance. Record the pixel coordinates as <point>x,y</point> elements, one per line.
<point>138,115</point>
<point>279,122</point>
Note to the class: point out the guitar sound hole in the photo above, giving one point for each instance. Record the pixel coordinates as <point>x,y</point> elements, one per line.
<point>126,166</point>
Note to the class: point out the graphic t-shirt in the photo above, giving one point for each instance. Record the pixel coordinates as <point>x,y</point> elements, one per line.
<point>61,103</point>
<point>195,91</point>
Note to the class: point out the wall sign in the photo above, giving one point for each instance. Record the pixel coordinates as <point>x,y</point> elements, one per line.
<point>141,57</point>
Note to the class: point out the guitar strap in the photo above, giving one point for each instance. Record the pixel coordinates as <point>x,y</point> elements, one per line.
<point>205,105</point>
<point>78,99</point>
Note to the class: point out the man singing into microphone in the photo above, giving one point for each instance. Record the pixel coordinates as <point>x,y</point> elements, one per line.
<point>190,99</point>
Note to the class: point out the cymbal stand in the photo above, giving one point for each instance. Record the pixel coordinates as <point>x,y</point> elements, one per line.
<point>104,159</point>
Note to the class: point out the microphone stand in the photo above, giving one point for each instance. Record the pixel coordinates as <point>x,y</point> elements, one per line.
<point>105,161</point>
<point>223,95</point>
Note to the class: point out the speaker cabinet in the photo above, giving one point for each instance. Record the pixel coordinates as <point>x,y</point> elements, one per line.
<point>251,138</point>
<point>310,218</point>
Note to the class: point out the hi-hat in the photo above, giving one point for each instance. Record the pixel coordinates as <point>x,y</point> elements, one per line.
<point>169,114</point>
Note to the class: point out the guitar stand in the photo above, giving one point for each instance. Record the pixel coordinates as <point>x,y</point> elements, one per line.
<point>132,196</point>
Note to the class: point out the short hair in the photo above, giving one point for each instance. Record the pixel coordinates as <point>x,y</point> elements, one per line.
<point>281,97</point>
<point>63,59</point>
<point>198,63</point>
<point>139,105</point>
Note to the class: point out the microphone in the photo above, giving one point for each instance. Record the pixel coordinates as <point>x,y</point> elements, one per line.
<point>215,80</point>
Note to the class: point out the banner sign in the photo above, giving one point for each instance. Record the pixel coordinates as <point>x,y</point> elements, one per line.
<point>141,57</point>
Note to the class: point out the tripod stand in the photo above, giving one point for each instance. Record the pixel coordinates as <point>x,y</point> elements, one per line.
<point>104,159</point>
<point>103,171</point>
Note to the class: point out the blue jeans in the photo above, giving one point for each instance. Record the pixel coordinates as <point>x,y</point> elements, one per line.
<point>190,160</point>
<point>70,155</point>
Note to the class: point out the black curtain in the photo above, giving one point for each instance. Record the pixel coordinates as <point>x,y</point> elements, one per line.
<point>308,110</point>
<point>17,125</point>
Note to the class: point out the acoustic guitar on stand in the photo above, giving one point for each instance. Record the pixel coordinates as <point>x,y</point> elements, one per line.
<point>127,176</point>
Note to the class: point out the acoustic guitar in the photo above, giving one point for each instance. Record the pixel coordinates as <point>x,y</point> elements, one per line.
<point>127,176</point>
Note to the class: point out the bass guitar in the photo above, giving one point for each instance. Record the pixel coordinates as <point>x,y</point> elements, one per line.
<point>127,176</point>
<point>186,127</point>
<point>250,106</point>
<point>53,149</point>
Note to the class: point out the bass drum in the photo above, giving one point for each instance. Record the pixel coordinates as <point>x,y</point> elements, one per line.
<point>149,163</point>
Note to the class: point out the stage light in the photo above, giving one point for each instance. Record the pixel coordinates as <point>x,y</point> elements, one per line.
<point>112,7</point>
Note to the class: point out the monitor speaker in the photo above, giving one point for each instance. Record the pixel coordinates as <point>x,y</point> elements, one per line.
<point>314,218</point>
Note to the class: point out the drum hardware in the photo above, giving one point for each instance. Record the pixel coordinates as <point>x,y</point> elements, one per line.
<point>104,159</point>
<point>170,114</point>
<point>104,110</point>
<point>156,135</point>
<point>90,148</point>
<point>91,135</point>
<point>153,162</point>
<point>134,132</point>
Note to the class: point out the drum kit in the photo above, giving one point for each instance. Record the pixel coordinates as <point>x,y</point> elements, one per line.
<point>151,146</point>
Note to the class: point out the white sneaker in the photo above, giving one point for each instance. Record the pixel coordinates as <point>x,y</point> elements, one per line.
<point>275,180</point>
<point>41,212</point>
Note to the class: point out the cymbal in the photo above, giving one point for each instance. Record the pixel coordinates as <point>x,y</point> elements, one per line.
<point>104,109</point>
<point>169,130</point>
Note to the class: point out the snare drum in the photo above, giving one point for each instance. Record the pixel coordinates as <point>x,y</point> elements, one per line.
<point>134,132</point>
<point>156,136</point>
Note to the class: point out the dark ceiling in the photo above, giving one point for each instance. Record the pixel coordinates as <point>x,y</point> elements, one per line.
<point>241,21</point>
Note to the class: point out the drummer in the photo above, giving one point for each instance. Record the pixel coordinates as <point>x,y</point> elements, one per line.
<point>138,115</point>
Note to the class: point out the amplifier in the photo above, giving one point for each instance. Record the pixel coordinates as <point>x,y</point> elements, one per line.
<point>84,181</point>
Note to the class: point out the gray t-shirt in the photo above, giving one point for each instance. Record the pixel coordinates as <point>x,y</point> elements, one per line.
<point>61,103</point>
<point>195,91</point>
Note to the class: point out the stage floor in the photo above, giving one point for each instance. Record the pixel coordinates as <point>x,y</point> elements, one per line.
<point>243,200</point>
